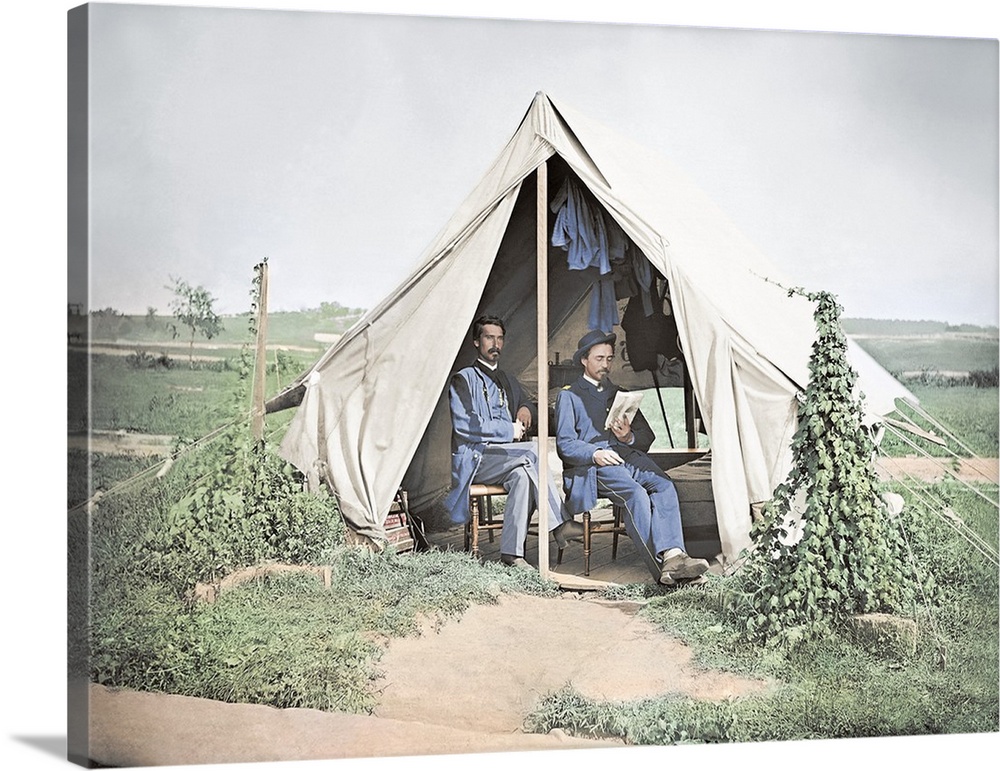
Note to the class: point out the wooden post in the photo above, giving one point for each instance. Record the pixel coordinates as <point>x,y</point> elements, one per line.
<point>542,248</point>
<point>260,361</point>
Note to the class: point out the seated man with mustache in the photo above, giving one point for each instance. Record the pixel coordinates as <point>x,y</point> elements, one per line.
<point>490,414</point>
<point>612,463</point>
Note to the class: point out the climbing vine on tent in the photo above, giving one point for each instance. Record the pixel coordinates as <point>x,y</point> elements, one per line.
<point>827,546</point>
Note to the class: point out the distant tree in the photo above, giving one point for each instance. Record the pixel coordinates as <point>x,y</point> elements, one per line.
<point>109,323</point>
<point>151,317</point>
<point>333,309</point>
<point>985,378</point>
<point>193,308</point>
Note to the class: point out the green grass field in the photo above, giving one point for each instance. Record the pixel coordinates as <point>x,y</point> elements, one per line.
<point>970,414</point>
<point>945,353</point>
<point>283,328</point>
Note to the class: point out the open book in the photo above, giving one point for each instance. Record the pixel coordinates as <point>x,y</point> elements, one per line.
<point>626,405</point>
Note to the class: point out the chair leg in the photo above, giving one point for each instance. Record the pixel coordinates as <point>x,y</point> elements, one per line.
<point>489,516</point>
<point>617,530</point>
<point>586,543</point>
<point>474,512</point>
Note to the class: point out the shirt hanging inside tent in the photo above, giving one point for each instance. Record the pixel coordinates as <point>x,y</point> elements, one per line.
<point>591,239</point>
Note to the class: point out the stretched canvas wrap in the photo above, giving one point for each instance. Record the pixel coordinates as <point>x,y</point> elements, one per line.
<point>282,226</point>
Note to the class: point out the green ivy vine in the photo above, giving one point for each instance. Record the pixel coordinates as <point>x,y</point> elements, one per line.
<point>826,546</point>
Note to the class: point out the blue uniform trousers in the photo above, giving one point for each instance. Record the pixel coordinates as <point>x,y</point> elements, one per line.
<point>652,513</point>
<point>515,466</point>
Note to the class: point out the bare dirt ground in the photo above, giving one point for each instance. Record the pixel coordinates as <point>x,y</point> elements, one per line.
<point>463,686</point>
<point>505,658</point>
<point>935,469</point>
<point>121,443</point>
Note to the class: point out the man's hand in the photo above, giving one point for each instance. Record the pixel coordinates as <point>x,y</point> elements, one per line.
<point>622,429</point>
<point>524,415</point>
<point>607,458</point>
<point>518,430</point>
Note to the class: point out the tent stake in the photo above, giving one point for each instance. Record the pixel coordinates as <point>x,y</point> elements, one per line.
<point>541,175</point>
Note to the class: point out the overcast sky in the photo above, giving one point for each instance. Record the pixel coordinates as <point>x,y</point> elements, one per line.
<point>337,145</point>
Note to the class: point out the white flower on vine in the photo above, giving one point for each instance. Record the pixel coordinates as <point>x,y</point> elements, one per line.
<point>792,529</point>
<point>793,524</point>
<point>893,504</point>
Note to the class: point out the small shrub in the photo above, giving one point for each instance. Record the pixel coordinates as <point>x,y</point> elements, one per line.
<point>985,378</point>
<point>241,508</point>
<point>142,359</point>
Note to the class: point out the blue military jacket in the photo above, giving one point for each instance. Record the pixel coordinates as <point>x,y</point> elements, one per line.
<point>580,414</point>
<point>479,416</point>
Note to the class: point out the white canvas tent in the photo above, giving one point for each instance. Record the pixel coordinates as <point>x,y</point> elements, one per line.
<point>373,413</point>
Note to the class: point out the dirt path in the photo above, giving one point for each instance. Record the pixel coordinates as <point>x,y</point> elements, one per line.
<point>121,442</point>
<point>463,687</point>
<point>131,729</point>
<point>935,469</point>
<point>505,658</point>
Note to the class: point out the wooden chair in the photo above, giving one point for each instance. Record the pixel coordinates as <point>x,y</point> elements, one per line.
<point>481,515</point>
<point>615,526</point>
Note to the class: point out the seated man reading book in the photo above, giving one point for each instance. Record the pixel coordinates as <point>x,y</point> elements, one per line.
<point>603,449</point>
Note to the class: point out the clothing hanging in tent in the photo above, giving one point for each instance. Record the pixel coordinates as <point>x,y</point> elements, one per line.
<point>648,335</point>
<point>592,240</point>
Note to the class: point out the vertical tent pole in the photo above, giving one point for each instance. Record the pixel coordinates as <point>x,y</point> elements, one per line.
<point>260,361</point>
<point>689,409</point>
<point>542,252</point>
